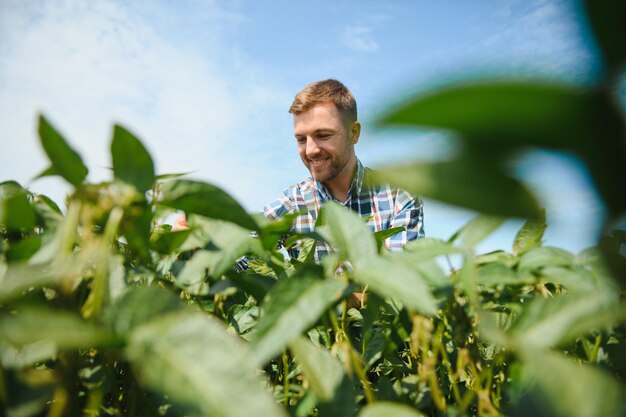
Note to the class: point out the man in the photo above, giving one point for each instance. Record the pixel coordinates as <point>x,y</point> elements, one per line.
<point>326,129</point>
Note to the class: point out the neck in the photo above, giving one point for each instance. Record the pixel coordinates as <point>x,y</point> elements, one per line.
<point>339,186</point>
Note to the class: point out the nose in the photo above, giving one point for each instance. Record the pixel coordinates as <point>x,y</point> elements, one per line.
<point>311,147</point>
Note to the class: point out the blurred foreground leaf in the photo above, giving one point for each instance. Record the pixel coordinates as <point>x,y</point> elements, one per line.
<point>608,20</point>
<point>429,248</point>
<point>388,409</point>
<point>131,161</point>
<point>323,371</point>
<point>464,182</point>
<point>197,364</point>
<point>506,116</point>
<point>349,233</point>
<point>560,320</point>
<point>18,279</point>
<point>397,281</point>
<point>505,113</point>
<point>529,236</point>
<point>572,389</point>
<point>66,162</point>
<point>476,230</point>
<point>66,330</point>
<point>292,306</point>
<point>206,200</point>
<point>16,212</point>
<point>140,305</point>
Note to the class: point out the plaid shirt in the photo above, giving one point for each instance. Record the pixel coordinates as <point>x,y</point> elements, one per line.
<point>382,206</point>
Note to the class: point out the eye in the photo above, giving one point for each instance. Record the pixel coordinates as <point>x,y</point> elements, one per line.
<point>300,139</point>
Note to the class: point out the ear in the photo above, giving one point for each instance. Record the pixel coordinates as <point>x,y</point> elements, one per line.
<point>355,132</point>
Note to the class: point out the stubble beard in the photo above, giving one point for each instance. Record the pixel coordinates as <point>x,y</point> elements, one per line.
<point>330,173</point>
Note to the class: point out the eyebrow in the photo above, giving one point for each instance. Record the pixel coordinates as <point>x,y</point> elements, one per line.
<point>318,131</point>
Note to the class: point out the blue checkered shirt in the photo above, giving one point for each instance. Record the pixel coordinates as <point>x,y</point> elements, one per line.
<point>382,207</point>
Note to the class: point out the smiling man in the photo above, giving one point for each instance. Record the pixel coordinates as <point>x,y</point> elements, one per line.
<point>326,129</point>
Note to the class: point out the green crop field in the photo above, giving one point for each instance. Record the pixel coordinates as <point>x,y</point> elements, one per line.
<point>104,310</point>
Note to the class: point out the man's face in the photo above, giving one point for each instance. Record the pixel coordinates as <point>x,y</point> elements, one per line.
<point>325,141</point>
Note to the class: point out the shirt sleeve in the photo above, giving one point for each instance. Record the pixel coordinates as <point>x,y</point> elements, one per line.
<point>279,207</point>
<point>410,215</point>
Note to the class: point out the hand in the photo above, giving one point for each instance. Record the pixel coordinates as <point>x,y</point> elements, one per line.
<point>180,223</point>
<point>357,300</point>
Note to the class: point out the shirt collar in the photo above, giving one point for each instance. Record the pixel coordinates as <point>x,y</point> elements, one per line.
<point>355,187</point>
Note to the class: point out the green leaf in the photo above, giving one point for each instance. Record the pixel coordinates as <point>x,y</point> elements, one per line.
<point>206,200</point>
<point>467,280</point>
<point>253,284</point>
<point>429,248</point>
<point>549,322</point>
<point>20,278</point>
<point>307,250</point>
<point>505,113</point>
<point>16,213</point>
<point>529,236</point>
<point>577,279</point>
<point>323,371</point>
<point>543,257</point>
<point>428,269</point>
<point>381,235</point>
<point>65,161</point>
<point>395,280</point>
<point>291,307</point>
<point>232,241</point>
<point>374,348</point>
<point>500,117</point>
<point>131,161</point>
<point>465,181</point>
<point>11,188</point>
<point>573,389</point>
<point>48,172</point>
<point>140,305</point>
<point>387,409</point>
<point>476,230</point>
<point>23,249</point>
<point>136,226</point>
<point>193,277</point>
<point>497,256</point>
<point>47,211</point>
<point>172,176</point>
<point>37,324</point>
<point>166,242</point>
<point>349,234</point>
<point>497,274</point>
<point>198,365</point>
<point>607,18</point>
<point>25,356</point>
<point>243,317</point>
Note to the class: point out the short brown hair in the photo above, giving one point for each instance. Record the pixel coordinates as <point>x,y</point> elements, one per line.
<point>326,91</point>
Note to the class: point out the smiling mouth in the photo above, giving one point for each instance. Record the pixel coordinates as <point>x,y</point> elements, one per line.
<point>318,162</point>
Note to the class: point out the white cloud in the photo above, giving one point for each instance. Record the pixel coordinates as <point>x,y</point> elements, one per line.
<point>87,65</point>
<point>359,38</point>
<point>542,33</point>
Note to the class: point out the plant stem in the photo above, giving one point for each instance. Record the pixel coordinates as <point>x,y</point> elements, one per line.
<point>286,377</point>
<point>354,357</point>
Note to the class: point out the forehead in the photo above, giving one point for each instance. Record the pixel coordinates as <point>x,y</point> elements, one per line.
<point>321,116</point>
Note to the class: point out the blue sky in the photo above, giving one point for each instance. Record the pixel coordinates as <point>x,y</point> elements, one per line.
<point>207,84</point>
